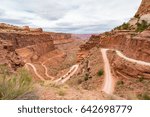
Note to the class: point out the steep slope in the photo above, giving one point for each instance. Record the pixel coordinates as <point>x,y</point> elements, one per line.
<point>144,8</point>
<point>133,40</point>
<point>29,44</point>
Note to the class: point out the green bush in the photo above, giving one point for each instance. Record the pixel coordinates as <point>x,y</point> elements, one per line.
<point>137,16</point>
<point>14,85</point>
<point>100,72</point>
<point>124,26</point>
<point>142,26</point>
<point>86,77</point>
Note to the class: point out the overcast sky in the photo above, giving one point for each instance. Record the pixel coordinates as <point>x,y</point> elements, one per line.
<point>73,16</point>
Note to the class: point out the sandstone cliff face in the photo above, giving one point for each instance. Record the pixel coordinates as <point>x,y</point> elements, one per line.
<point>37,44</point>
<point>21,40</point>
<point>144,8</point>
<point>25,42</point>
<point>123,68</point>
<point>143,14</point>
<point>61,38</point>
<point>10,28</point>
<point>8,56</point>
<point>134,43</point>
<point>93,41</point>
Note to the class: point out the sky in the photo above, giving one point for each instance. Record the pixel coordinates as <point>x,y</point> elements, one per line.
<point>69,16</point>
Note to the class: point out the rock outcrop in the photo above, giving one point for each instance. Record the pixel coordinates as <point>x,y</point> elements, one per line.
<point>144,8</point>
<point>8,56</point>
<point>123,68</point>
<point>133,39</point>
<point>93,41</point>
<point>21,43</point>
<point>10,28</point>
<point>134,45</point>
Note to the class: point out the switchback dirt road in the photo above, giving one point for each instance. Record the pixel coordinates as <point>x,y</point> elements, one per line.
<point>108,86</point>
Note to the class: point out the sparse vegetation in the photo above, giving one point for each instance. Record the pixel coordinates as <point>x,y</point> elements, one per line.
<point>137,16</point>
<point>120,82</point>
<point>61,92</point>
<point>100,72</point>
<point>141,78</point>
<point>14,85</point>
<point>86,77</point>
<point>107,34</point>
<point>142,26</point>
<point>124,26</point>
<point>143,96</point>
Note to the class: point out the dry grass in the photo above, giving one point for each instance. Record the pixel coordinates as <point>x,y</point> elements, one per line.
<point>14,85</point>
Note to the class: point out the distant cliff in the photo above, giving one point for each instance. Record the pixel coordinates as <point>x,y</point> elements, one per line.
<point>24,40</point>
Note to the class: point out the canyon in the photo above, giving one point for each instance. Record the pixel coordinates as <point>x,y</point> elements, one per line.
<point>28,43</point>
<point>125,76</point>
<point>110,65</point>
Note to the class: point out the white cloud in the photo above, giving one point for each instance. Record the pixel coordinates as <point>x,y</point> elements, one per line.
<point>75,16</point>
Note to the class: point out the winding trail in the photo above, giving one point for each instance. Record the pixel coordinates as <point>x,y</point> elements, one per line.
<point>61,80</point>
<point>35,71</point>
<point>46,70</point>
<point>132,60</point>
<point>68,75</point>
<point>108,83</point>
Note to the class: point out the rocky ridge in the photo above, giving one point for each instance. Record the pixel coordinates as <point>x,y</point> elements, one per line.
<point>25,42</point>
<point>133,40</point>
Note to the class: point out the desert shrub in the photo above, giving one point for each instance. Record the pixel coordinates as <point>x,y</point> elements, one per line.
<point>100,72</point>
<point>86,77</point>
<point>61,92</point>
<point>141,78</point>
<point>142,26</point>
<point>143,96</point>
<point>137,16</point>
<point>14,85</point>
<point>107,34</point>
<point>146,96</point>
<point>124,26</point>
<point>120,82</point>
<point>118,28</point>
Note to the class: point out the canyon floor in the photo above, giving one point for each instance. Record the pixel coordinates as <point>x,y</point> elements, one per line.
<point>59,77</point>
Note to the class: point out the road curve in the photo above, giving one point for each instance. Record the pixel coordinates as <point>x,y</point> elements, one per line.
<point>132,60</point>
<point>67,76</point>
<point>35,71</point>
<point>46,72</point>
<point>62,79</point>
<point>71,73</point>
<point>108,83</point>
